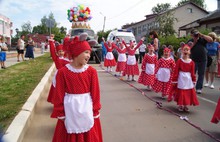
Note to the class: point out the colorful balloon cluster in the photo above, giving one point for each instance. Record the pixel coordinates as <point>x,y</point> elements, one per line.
<point>79,13</point>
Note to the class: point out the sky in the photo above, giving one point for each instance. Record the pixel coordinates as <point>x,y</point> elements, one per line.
<point>117,12</point>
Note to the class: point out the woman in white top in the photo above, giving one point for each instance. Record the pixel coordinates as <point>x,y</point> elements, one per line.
<point>20,48</point>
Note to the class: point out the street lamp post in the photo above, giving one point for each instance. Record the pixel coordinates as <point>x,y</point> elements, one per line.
<point>104,22</point>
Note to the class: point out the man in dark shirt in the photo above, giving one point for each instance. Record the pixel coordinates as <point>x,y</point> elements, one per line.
<point>199,56</point>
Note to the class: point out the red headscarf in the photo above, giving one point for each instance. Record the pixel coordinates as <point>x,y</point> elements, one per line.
<point>166,50</point>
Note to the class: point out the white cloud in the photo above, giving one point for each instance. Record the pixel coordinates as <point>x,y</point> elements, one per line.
<point>117,12</point>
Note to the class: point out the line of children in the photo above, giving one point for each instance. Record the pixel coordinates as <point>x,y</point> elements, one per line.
<point>77,102</point>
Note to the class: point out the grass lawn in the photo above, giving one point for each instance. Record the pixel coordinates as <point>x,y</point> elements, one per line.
<point>17,83</point>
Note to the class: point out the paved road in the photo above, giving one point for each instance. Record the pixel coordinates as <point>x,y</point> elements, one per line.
<point>129,116</point>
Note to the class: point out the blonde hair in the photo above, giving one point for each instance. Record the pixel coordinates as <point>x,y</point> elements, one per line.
<point>218,39</point>
<point>212,35</point>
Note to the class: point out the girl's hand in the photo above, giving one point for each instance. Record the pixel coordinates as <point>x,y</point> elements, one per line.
<point>143,38</point>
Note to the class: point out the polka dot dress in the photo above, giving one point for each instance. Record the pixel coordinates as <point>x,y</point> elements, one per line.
<point>77,81</point>
<point>144,78</point>
<point>164,87</point>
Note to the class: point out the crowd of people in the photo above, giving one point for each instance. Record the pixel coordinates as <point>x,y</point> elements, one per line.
<point>75,88</point>
<point>178,77</point>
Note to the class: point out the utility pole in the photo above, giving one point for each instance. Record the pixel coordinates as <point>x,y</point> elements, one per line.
<point>104,22</point>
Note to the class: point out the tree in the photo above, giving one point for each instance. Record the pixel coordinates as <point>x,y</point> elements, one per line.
<point>26,28</point>
<point>161,8</point>
<point>166,22</point>
<point>200,3</point>
<point>101,34</point>
<point>63,30</point>
<point>43,28</point>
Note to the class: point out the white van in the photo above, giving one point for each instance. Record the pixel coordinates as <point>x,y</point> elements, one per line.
<point>127,35</point>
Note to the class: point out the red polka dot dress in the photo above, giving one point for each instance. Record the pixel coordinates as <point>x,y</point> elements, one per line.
<point>78,101</point>
<point>216,115</point>
<point>131,67</point>
<point>185,78</point>
<point>147,76</point>
<point>109,58</point>
<point>121,58</point>
<point>59,63</point>
<point>163,79</point>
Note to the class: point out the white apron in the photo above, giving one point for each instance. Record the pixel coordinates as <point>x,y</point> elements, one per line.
<point>185,80</point>
<point>163,74</point>
<point>131,60</point>
<point>150,69</point>
<point>109,56</point>
<point>54,79</point>
<point>78,113</point>
<point>122,57</point>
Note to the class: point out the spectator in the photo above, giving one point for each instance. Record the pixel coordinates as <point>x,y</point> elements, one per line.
<point>199,55</point>
<point>142,51</point>
<point>172,52</point>
<point>213,54</point>
<point>30,49</point>
<point>20,48</point>
<point>42,47</point>
<point>104,50</point>
<point>179,52</point>
<point>155,41</point>
<point>3,48</point>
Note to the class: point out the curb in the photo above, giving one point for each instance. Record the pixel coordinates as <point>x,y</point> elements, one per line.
<point>21,122</point>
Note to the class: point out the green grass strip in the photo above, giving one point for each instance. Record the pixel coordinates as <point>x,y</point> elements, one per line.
<point>17,82</point>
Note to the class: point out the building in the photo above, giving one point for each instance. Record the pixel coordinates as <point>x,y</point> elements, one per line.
<point>5,28</point>
<point>210,21</point>
<point>184,14</point>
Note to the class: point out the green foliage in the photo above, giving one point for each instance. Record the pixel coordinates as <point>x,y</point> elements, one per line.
<point>166,22</point>
<point>59,36</point>
<point>161,8</point>
<point>200,3</point>
<point>101,34</point>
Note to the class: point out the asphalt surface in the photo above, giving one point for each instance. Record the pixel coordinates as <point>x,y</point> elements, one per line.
<point>129,114</point>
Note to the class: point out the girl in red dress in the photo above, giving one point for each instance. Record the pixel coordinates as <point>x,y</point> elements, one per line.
<point>184,79</point>
<point>164,73</point>
<point>131,67</point>
<point>149,63</point>
<point>57,54</point>
<point>216,115</point>
<point>109,61</point>
<point>77,102</point>
<point>121,58</point>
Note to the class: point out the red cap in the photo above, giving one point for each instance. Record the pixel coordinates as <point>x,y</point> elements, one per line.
<point>59,47</point>
<point>76,47</point>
